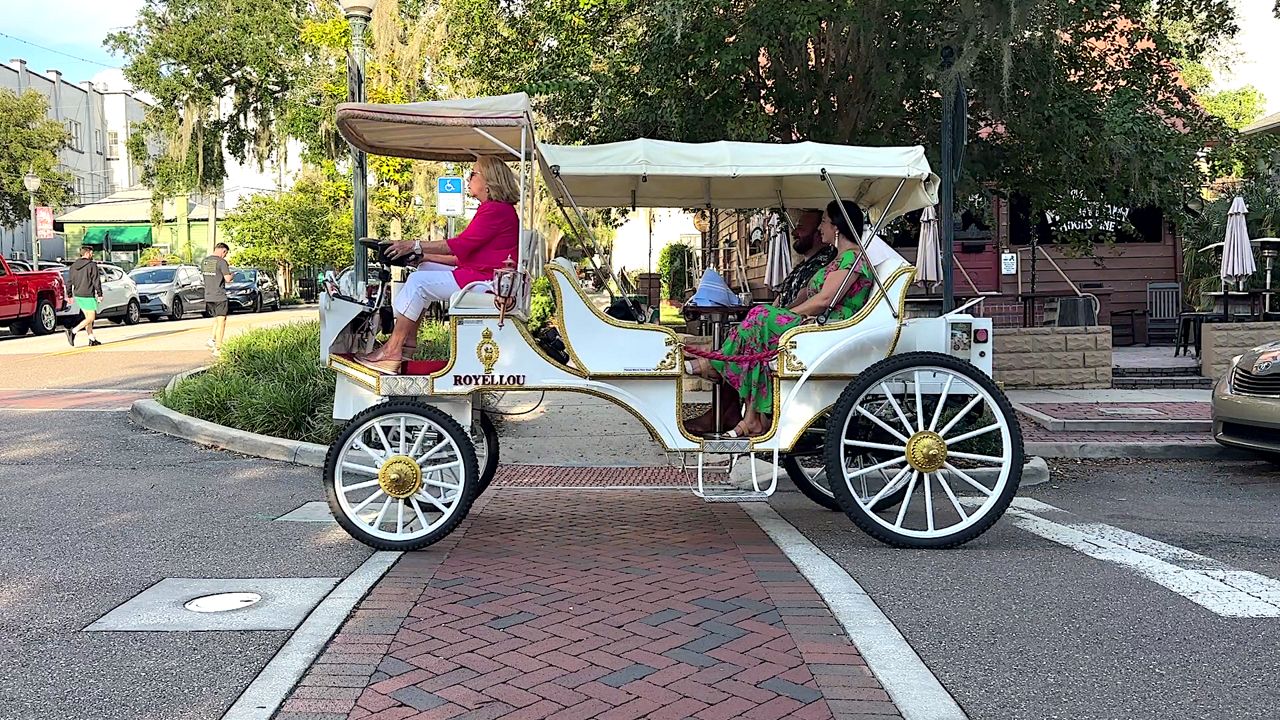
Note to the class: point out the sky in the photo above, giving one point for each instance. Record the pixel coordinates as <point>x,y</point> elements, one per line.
<point>77,27</point>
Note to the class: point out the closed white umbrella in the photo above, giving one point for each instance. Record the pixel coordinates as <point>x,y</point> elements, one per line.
<point>779,265</point>
<point>1237,252</point>
<point>928,254</point>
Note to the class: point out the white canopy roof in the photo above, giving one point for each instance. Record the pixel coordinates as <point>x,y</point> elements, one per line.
<point>446,130</point>
<point>659,173</point>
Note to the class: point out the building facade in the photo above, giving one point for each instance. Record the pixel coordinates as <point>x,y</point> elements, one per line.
<point>99,122</point>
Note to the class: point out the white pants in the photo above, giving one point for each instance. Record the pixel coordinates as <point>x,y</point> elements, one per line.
<point>431,282</point>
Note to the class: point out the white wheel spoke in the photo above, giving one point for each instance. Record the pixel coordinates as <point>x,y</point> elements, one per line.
<point>418,511</point>
<point>424,497</point>
<point>441,484</point>
<point>871,416</point>
<point>400,512</point>
<point>960,415</point>
<point>906,499</point>
<point>973,434</point>
<point>348,465</point>
<point>942,401</point>
<point>978,458</point>
<point>928,503</point>
<point>873,468</point>
<point>377,522</point>
<point>441,467</point>
<point>876,446</point>
<point>428,455</point>
<point>954,502</point>
<point>965,476</point>
<point>359,486</point>
<point>382,437</point>
<point>402,431</point>
<point>915,378</point>
<point>377,457</point>
<point>896,408</point>
<point>417,441</point>
<point>373,496</point>
<point>889,487</point>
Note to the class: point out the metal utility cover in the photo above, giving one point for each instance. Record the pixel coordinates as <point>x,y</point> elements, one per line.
<point>285,603</point>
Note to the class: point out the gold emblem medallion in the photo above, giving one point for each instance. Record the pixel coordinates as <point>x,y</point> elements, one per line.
<point>400,477</point>
<point>927,451</point>
<point>487,351</point>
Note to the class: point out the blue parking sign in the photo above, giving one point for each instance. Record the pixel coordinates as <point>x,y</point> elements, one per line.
<point>449,196</point>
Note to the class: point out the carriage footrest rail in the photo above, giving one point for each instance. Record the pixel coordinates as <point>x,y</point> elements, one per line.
<point>734,495</point>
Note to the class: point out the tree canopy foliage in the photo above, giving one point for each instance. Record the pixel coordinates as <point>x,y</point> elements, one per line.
<point>29,142</point>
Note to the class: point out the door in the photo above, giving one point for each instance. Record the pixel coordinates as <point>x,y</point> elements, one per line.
<point>115,293</point>
<point>8,295</point>
<point>267,288</point>
<point>192,288</point>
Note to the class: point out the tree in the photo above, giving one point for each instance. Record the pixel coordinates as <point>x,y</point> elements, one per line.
<point>29,142</point>
<point>308,226</point>
<point>1073,105</point>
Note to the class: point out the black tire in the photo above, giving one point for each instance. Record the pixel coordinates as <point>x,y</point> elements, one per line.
<point>19,328</point>
<point>132,313</point>
<point>447,425</point>
<point>44,320</point>
<point>257,303</point>
<point>178,310</point>
<point>834,451</point>
<point>802,464</point>
<point>489,436</point>
<point>800,478</point>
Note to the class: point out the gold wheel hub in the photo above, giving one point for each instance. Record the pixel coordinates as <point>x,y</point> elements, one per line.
<point>927,451</point>
<point>400,477</point>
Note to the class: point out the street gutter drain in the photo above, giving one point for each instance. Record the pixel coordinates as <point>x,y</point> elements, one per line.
<point>222,602</point>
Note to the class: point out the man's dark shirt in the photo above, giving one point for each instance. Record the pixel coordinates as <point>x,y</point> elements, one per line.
<point>802,275</point>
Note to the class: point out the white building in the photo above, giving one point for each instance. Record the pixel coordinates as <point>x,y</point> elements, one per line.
<point>94,118</point>
<point>639,241</point>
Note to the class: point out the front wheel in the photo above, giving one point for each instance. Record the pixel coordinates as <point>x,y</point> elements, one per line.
<point>133,313</point>
<point>936,432</point>
<point>401,476</point>
<point>485,437</point>
<point>178,310</point>
<point>45,319</point>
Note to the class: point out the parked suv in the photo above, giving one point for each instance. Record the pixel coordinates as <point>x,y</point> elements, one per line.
<point>252,290</point>
<point>169,291</point>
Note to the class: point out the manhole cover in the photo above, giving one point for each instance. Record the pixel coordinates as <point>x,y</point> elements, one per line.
<point>222,602</point>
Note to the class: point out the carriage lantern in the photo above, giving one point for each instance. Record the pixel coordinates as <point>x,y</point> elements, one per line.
<point>506,282</point>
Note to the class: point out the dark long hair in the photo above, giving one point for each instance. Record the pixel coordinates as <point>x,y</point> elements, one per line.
<point>855,215</point>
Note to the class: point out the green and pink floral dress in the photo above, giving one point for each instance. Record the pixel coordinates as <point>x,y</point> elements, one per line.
<point>765,324</point>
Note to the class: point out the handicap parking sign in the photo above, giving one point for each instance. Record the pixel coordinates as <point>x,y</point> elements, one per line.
<point>449,196</point>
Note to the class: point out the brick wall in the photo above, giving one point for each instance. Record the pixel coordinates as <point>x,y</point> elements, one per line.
<point>1066,357</point>
<point>1219,342</point>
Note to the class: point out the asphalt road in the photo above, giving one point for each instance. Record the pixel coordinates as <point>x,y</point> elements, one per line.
<point>97,511</point>
<point>1017,626</point>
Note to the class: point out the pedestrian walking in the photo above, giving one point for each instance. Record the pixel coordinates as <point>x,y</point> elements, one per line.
<point>84,288</point>
<point>217,273</point>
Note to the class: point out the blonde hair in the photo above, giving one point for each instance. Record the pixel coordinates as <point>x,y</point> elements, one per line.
<point>501,182</point>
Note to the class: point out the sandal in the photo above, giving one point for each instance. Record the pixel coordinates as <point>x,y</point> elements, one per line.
<point>385,367</point>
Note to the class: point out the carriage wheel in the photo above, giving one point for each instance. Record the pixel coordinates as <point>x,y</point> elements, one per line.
<point>401,476</point>
<point>953,454</point>
<point>807,468</point>
<point>484,436</point>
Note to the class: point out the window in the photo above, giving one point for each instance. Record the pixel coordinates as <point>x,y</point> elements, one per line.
<point>79,189</point>
<point>113,145</point>
<point>73,128</point>
<point>97,141</point>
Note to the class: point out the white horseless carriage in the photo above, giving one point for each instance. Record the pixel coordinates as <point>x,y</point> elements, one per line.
<point>894,421</point>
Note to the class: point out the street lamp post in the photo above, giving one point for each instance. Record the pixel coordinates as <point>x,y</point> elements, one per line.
<point>358,13</point>
<point>32,182</point>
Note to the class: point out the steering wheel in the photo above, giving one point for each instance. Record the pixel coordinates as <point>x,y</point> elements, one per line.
<point>380,248</point>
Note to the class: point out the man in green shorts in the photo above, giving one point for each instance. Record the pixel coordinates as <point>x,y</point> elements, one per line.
<point>84,286</point>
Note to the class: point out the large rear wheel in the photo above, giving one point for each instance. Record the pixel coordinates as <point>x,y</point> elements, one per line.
<point>946,443</point>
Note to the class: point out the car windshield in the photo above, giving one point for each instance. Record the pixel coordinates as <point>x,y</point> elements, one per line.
<point>153,276</point>
<point>245,276</point>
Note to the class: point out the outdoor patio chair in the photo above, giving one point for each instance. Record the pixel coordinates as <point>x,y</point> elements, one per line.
<point>1164,306</point>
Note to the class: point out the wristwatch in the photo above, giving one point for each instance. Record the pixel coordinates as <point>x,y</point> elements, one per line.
<point>417,246</point>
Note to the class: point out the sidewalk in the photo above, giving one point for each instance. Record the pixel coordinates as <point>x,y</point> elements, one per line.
<point>608,604</point>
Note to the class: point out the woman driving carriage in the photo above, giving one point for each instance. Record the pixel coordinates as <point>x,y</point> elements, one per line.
<point>449,265</point>
<point>761,330</point>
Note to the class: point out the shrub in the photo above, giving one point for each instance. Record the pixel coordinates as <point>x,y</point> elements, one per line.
<point>675,265</point>
<point>433,341</point>
<point>290,301</point>
<point>267,381</point>
<point>542,303</point>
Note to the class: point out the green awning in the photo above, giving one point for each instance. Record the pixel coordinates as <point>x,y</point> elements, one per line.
<point>119,237</point>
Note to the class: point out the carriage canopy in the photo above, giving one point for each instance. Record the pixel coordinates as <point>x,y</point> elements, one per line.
<point>741,175</point>
<point>440,130</point>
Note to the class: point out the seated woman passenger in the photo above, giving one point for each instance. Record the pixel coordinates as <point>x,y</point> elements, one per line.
<point>765,324</point>
<point>450,265</point>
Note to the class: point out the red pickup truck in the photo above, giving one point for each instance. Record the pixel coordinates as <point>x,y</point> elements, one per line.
<point>30,300</point>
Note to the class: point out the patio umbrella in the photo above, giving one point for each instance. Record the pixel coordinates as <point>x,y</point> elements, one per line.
<point>1237,253</point>
<point>928,255</point>
<point>779,264</point>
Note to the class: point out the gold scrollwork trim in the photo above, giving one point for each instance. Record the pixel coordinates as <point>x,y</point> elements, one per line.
<point>357,372</point>
<point>669,362</point>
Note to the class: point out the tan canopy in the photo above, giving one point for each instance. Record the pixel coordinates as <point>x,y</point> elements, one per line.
<point>441,130</point>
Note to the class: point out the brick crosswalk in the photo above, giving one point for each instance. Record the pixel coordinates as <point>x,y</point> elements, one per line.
<point>610,604</point>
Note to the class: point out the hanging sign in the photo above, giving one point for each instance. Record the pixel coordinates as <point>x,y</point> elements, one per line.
<point>44,223</point>
<point>449,196</point>
<point>1008,263</point>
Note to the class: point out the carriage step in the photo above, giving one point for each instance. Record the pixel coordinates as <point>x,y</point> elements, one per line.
<point>733,495</point>
<point>726,445</point>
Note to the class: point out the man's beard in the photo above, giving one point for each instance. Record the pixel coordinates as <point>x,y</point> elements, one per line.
<point>803,245</point>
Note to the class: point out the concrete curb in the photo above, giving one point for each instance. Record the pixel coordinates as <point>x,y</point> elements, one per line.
<point>1138,451</point>
<point>1049,422</point>
<point>154,416</point>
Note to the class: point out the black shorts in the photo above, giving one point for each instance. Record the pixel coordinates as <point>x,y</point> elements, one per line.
<point>217,308</point>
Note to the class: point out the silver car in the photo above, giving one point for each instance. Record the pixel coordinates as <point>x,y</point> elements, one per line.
<point>1246,402</point>
<point>169,291</point>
